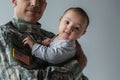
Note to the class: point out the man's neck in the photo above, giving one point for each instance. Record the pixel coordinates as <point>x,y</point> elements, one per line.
<point>22,25</point>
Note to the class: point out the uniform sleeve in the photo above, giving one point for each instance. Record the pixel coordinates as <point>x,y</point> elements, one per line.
<point>57,52</point>
<point>2,39</point>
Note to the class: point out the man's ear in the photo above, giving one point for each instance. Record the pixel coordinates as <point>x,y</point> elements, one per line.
<point>14,2</point>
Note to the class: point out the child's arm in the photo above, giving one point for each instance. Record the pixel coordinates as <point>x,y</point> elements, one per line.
<point>56,52</point>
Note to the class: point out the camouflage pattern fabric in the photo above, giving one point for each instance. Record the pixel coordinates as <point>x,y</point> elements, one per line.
<point>9,68</point>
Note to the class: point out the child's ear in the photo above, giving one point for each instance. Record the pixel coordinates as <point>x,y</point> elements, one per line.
<point>84,32</point>
<point>61,18</point>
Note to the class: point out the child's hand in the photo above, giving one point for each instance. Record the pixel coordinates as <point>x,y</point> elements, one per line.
<point>46,41</point>
<point>28,41</point>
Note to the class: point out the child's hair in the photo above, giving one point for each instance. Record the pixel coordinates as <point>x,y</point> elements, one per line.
<point>81,12</point>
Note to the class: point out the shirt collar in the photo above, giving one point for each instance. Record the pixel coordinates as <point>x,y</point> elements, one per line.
<point>23,26</point>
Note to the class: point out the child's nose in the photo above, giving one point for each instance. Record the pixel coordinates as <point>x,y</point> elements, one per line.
<point>69,29</point>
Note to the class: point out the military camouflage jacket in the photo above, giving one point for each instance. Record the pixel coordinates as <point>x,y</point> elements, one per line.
<point>16,62</point>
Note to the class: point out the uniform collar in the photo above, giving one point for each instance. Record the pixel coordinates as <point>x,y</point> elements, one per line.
<point>23,26</point>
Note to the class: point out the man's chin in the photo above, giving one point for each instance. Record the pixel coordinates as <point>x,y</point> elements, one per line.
<point>31,19</point>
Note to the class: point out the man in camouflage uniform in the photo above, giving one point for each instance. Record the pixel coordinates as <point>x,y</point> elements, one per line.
<point>16,62</point>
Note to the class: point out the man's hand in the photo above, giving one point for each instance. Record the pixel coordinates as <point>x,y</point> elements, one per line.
<point>82,59</point>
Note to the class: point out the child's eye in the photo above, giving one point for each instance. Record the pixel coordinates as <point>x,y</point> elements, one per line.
<point>67,22</point>
<point>77,28</point>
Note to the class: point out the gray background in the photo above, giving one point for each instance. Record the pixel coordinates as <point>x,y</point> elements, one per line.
<point>101,43</point>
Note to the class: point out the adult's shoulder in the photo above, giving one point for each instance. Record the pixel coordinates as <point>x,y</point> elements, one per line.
<point>2,28</point>
<point>5,27</point>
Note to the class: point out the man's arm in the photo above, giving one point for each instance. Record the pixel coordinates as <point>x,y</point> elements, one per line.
<point>82,59</point>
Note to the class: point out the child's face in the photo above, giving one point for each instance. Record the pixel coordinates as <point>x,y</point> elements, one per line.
<point>72,25</point>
